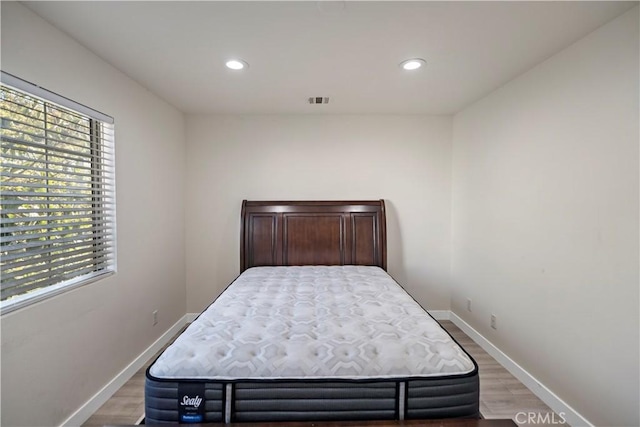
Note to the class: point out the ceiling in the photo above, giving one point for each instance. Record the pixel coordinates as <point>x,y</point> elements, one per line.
<point>347,51</point>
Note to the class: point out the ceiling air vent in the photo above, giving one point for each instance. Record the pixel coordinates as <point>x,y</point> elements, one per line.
<point>319,100</point>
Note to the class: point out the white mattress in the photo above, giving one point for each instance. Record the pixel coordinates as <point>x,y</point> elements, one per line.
<point>313,322</point>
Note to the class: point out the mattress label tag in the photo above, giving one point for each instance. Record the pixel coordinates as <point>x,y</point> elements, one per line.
<point>191,402</point>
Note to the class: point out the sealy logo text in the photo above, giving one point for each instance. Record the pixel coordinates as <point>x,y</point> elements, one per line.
<point>191,401</point>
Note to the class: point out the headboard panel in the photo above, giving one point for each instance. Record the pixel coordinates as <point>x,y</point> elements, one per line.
<point>313,233</point>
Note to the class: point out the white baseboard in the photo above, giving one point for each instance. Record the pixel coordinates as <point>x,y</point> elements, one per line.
<point>440,314</point>
<point>191,317</point>
<point>139,420</point>
<point>572,417</point>
<point>93,404</point>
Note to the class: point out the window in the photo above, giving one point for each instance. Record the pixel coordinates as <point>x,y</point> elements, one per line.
<point>57,194</point>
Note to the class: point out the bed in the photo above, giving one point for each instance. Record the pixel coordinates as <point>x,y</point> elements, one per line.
<point>313,329</point>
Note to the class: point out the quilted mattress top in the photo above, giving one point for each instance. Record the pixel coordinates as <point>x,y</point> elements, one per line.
<point>313,322</point>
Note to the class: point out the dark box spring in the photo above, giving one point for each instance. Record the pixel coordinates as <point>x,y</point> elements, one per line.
<point>317,401</point>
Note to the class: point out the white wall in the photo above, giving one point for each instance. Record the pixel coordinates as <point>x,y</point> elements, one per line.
<point>402,159</point>
<point>545,221</point>
<point>59,353</point>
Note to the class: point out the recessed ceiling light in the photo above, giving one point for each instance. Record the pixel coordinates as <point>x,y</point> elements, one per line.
<point>412,64</point>
<point>236,64</point>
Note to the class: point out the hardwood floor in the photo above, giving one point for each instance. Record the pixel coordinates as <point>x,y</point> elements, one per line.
<point>501,394</point>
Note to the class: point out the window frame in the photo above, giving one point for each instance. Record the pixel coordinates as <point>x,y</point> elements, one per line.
<point>102,200</point>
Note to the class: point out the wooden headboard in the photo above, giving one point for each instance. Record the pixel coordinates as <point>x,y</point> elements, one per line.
<point>313,233</point>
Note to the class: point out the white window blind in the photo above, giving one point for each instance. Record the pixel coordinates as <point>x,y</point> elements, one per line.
<point>57,192</point>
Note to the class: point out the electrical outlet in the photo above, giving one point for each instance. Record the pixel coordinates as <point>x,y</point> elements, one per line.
<point>493,322</point>
<point>155,317</point>
<point>468,304</point>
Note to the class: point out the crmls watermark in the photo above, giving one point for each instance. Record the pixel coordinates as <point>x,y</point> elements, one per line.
<point>538,418</point>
